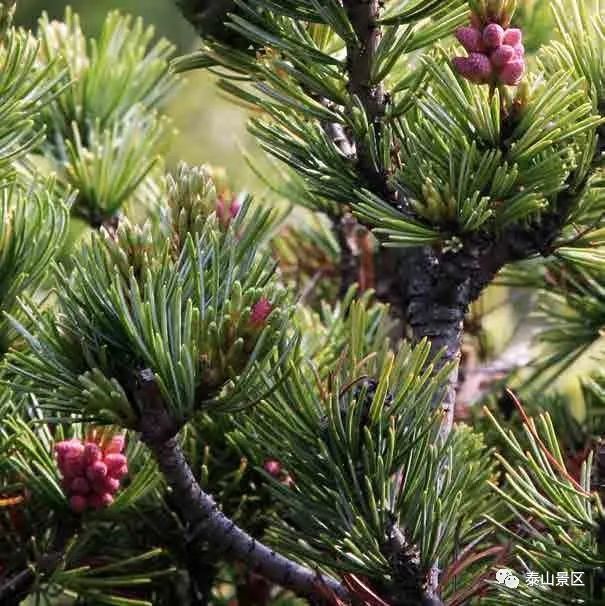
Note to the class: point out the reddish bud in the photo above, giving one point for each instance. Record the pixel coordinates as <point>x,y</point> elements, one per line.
<point>288,481</point>
<point>112,485</point>
<point>220,210</point>
<point>116,445</point>
<point>106,499</point>
<point>72,465</point>
<point>502,56</point>
<point>78,503</point>
<point>119,473</point>
<point>272,467</point>
<point>513,36</point>
<point>476,67</point>
<point>114,461</point>
<point>92,453</point>
<point>512,73</point>
<point>470,38</point>
<point>226,211</point>
<point>234,208</point>
<point>493,35</point>
<point>79,485</point>
<point>260,311</point>
<point>96,470</point>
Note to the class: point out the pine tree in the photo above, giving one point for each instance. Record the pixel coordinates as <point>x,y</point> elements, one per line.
<point>211,399</point>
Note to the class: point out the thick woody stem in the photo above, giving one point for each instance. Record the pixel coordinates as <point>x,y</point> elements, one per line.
<point>437,315</point>
<point>430,314</point>
<point>204,516</point>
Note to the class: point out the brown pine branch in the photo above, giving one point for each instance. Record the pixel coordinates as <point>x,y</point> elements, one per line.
<point>202,513</point>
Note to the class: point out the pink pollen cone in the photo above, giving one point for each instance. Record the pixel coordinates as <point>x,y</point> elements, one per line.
<point>96,470</point>
<point>114,461</point>
<point>234,208</point>
<point>476,67</point>
<point>92,453</point>
<point>106,484</point>
<point>493,35</point>
<point>72,465</point>
<point>116,445</point>
<point>512,73</point>
<point>71,447</point>
<point>501,56</point>
<point>519,51</point>
<point>470,38</point>
<point>85,469</point>
<point>77,503</point>
<point>80,485</point>
<point>272,467</point>
<point>112,485</point>
<point>120,472</point>
<point>260,311</point>
<point>513,36</point>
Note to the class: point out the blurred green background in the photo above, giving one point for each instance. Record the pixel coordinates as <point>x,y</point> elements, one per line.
<point>209,129</point>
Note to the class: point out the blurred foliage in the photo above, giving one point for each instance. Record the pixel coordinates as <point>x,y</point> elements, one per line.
<point>198,111</point>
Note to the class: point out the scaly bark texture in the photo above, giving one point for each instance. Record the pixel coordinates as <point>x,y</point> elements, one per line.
<point>437,297</point>
<point>202,513</point>
<point>438,286</point>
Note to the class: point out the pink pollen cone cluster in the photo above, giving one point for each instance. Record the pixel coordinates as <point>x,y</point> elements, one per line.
<point>260,312</point>
<point>495,55</point>
<point>91,473</point>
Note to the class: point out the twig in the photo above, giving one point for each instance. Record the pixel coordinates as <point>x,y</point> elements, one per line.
<point>18,587</point>
<point>204,515</point>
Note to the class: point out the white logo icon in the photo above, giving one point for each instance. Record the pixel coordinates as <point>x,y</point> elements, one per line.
<point>506,576</point>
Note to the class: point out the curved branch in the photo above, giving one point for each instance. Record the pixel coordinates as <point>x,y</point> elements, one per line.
<point>204,515</point>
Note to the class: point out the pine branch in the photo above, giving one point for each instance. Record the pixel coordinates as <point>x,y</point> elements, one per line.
<point>203,514</point>
<point>18,587</point>
<point>361,53</point>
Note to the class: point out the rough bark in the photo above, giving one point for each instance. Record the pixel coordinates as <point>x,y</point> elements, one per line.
<point>410,586</point>
<point>202,513</point>
<point>439,286</point>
